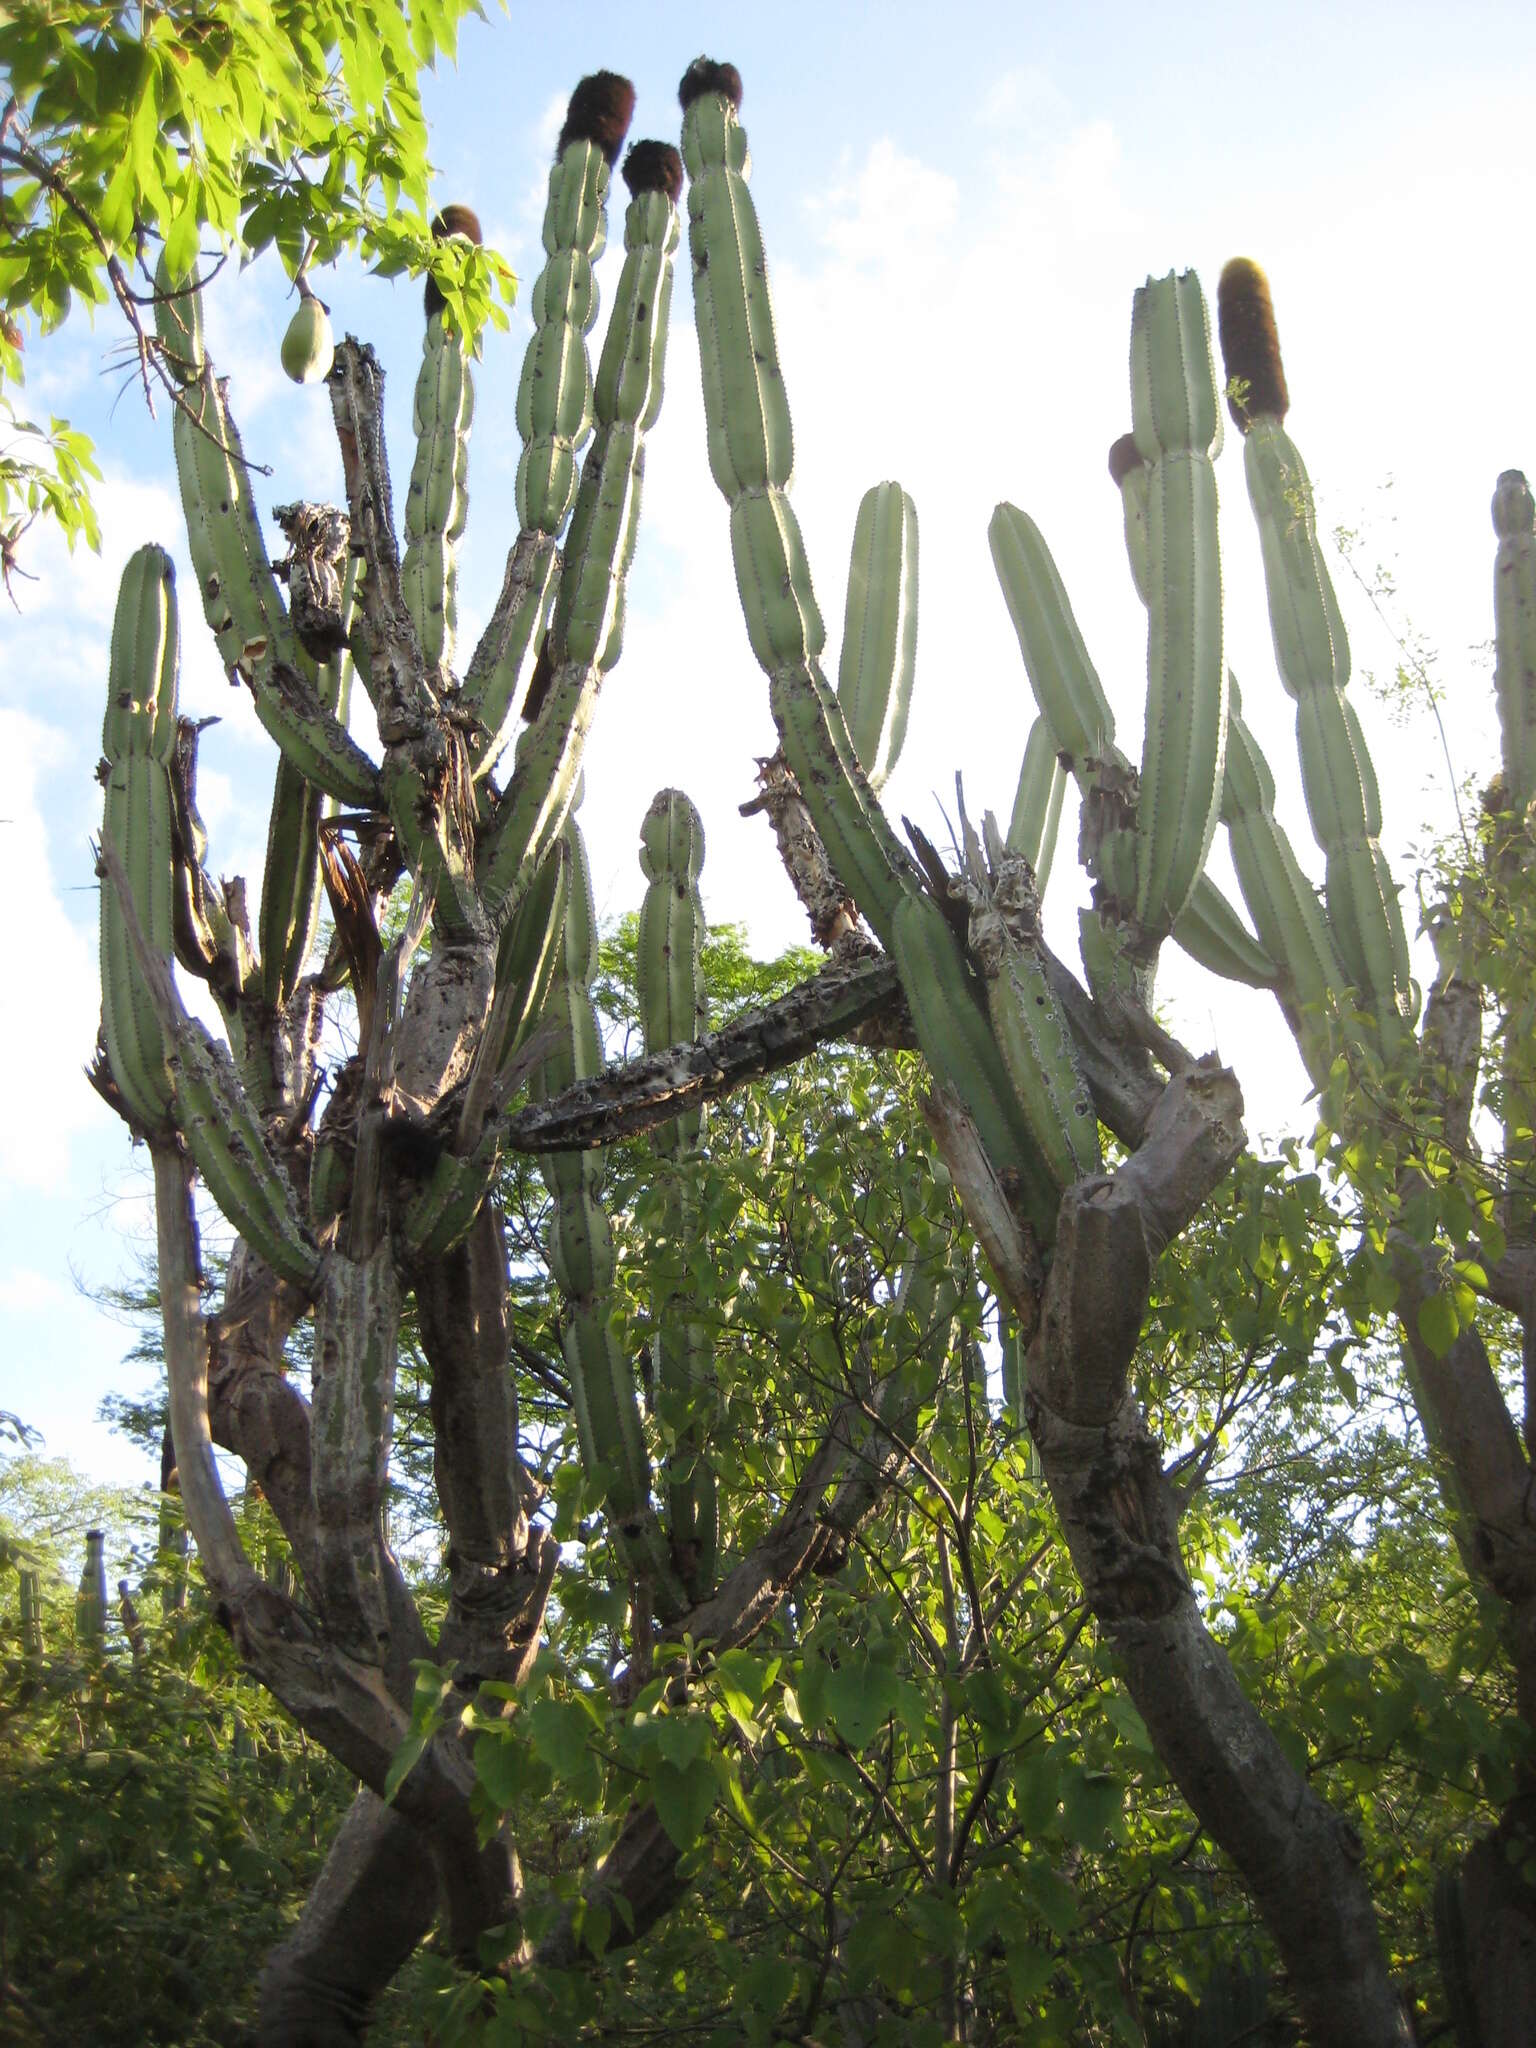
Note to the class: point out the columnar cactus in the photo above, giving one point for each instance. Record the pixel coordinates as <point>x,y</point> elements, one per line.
<point>389,1187</point>
<point>673,1012</point>
<point>91,1600</point>
<point>1312,657</point>
<point>581,1259</point>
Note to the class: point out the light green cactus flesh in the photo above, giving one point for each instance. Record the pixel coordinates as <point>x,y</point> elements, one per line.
<point>291,886</point>
<point>751,454</point>
<point>179,322</point>
<point>554,398</point>
<point>244,607</point>
<point>437,500</point>
<point>138,743</point>
<point>879,647</point>
<point>1036,815</point>
<point>586,632</point>
<point>581,1260</point>
<point>957,1042</point>
<point>1065,682</point>
<point>1514,616</point>
<point>1312,655</point>
<point>673,1012</point>
<point>1175,420</point>
<point>1281,901</point>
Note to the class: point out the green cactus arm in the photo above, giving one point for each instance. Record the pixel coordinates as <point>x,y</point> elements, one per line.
<point>179,322</point>
<point>91,1599</point>
<point>437,498</point>
<point>290,883</point>
<point>1282,902</point>
<point>243,605</point>
<point>1036,815</point>
<point>1293,944</point>
<point>1211,932</point>
<point>1028,1024</point>
<point>670,983</point>
<point>1066,684</point>
<point>581,1260</point>
<point>586,632</point>
<point>1176,422</point>
<point>671,937</point>
<point>957,1042</point>
<point>139,740</point>
<point>222,1131</point>
<point>879,646</point>
<point>1312,656</point>
<point>751,455</point>
<point>1514,634</point>
<point>555,406</point>
<point>493,680</point>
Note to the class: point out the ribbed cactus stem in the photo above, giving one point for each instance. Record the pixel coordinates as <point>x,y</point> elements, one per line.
<point>1293,941</point>
<point>1037,800</point>
<point>751,456</point>
<point>581,1260</point>
<point>1514,627</point>
<point>670,978</point>
<point>91,1600</point>
<point>138,743</point>
<point>291,885</point>
<point>244,607</point>
<point>1312,656</point>
<point>586,633</point>
<point>879,649</point>
<point>31,1590</point>
<point>1176,425</point>
<point>437,499</point>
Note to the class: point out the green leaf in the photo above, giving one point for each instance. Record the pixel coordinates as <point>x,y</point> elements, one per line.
<point>684,1799</point>
<point>1438,1323</point>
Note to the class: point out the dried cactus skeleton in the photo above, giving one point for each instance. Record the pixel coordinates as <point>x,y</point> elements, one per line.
<point>391,1186</point>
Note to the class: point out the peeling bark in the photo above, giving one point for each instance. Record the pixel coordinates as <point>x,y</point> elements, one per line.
<point>1120,1517</point>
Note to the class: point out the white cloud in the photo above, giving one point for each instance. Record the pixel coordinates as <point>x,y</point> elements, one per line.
<point>46,1039</point>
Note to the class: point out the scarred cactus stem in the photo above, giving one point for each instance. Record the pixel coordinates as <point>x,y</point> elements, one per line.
<point>1250,345</point>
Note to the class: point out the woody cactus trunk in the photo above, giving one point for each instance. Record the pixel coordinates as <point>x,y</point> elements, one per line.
<point>347,1200</point>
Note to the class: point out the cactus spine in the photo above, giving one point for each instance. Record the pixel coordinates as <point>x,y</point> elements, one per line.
<point>1312,655</point>
<point>581,1260</point>
<point>673,1012</point>
<point>586,633</point>
<point>139,741</point>
<point>879,650</point>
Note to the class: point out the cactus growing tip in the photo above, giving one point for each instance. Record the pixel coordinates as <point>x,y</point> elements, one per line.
<point>600,111</point>
<point>1250,345</point>
<point>1124,456</point>
<point>654,167</point>
<point>704,75</point>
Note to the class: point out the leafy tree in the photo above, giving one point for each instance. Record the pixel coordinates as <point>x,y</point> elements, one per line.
<point>201,132</point>
<point>758,1367</point>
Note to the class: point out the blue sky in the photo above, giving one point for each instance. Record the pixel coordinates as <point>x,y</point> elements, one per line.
<point>957,207</point>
